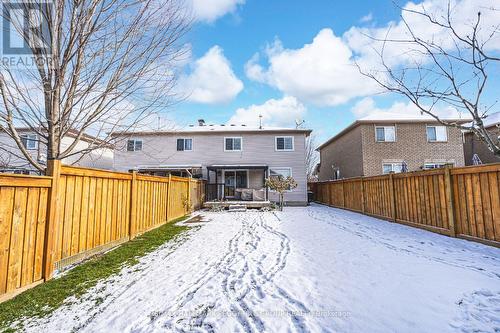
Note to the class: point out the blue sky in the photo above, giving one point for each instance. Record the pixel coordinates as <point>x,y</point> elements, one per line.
<point>224,41</point>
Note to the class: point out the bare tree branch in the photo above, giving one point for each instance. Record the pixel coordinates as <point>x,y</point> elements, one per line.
<point>101,66</point>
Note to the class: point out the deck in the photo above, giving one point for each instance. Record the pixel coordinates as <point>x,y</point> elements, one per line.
<point>227,203</point>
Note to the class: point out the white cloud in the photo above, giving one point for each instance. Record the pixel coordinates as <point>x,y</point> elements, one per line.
<point>321,73</point>
<point>367,18</point>
<point>366,107</point>
<point>275,112</point>
<point>211,10</point>
<point>464,16</point>
<point>211,81</point>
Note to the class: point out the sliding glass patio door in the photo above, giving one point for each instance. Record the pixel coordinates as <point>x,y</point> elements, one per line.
<point>234,179</point>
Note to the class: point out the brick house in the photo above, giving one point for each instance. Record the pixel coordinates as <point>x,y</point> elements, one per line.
<point>375,145</point>
<point>473,145</point>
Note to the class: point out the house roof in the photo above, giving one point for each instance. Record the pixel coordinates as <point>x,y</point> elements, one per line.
<point>236,166</point>
<point>492,120</point>
<point>73,133</point>
<point>388,118</point>
<point>217,129</point>
<point>169,167</point>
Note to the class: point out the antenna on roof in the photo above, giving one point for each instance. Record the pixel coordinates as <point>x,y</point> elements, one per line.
<point>260,121</point>
<point>299,123</point>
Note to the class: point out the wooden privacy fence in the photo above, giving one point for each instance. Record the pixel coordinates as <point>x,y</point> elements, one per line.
<point>458,202</point>
<point>48,223</point>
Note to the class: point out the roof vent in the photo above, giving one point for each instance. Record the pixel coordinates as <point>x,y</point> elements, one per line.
<point>243,125</point>
<point>211,125</point>
<point>222,125</point>
<point>201,122</point>
<point>191,125</point>
<point>233,125</point>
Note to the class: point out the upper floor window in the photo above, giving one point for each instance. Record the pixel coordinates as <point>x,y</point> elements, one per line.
<point>392,167</point>
<point>184,144</point>
<point>134,145</point>
<point>284,143</point>
<point>232,144</point>
<point>437,134</point>
<point>30,141</point>
<point>385,133</point>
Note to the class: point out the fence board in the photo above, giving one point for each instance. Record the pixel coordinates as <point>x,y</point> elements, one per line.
<point>460,201</point>
<point>6,211</point>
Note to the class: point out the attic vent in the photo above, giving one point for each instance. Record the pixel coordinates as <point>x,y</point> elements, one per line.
<point>191,125</point>
<point>211,125</point>
<point>222,125</point>
<point>233,125</point>
<point>243,125</point>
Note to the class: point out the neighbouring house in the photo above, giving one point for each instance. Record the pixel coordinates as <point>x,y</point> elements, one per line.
<point>377,145</point>
<point>234,159</point>
<point>475,146</point>
<point>13,161</point>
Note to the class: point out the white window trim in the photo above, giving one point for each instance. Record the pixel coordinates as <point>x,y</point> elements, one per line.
<point>192,144</point>
<point>291,175</point>
<point>392,166</point>
<point>135,140</point>
<point>445,127</point>
<point>441,165</point>
<point>233,137</point>
<point>281,136</point>
<point>383,126</point>
<point>34,141</point>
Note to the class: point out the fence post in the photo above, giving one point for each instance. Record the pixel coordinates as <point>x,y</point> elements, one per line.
<point>343,194</point>
<point>328,194</point>
<point>362,195</point>
<point>392,195</point>
<point>52,227</point>
<point>133,205</point>
<point>449,201</point>
<point>188,205</point>
<point>169,196</point>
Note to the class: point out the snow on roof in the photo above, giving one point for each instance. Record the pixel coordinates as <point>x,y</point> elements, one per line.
<point>232,127</point>
<point>492,119</point>
<point>219,128</point>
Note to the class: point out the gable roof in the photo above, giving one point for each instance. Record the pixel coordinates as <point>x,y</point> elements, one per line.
<point>386,118</point>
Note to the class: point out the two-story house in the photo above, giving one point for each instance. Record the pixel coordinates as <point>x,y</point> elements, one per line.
<point>475,146</point>
<point>376,145</point>
<point>234,159</point>
<point>12,160</point>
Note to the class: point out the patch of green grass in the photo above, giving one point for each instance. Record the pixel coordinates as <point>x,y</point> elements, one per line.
<point>47,297</point>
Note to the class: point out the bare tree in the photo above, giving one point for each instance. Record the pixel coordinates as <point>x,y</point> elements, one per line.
<point>453,70</point>
<point>99,66</point>
<point>312,157</point>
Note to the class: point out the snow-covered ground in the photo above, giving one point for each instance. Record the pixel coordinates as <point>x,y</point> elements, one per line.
<point>314,269</point>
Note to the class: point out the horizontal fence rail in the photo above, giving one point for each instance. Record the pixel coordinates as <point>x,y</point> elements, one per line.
<point>458,202</point>
<point>48,223</point>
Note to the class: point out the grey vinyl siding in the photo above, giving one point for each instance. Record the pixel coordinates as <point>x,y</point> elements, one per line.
<point>208,149</point>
